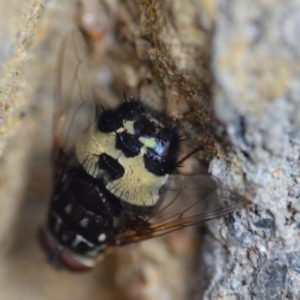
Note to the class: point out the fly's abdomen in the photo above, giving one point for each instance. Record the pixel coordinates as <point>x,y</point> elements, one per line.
<point>81,215</point>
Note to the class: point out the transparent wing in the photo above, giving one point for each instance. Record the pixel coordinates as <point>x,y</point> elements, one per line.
<point>74,109</point>
<point>189,200</point>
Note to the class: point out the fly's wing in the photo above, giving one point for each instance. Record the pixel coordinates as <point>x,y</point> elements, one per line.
<point>192,200</point>
<point>74,109</point>
<point>189,200</point>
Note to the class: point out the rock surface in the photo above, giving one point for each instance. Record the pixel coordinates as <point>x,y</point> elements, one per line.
<point>228,69</point>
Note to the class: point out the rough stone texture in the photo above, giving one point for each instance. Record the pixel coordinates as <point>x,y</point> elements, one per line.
<point>236,62</point>
<point>255,65</point>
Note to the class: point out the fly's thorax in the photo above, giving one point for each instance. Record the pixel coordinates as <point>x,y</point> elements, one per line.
<point>137,186</point>
<point>125,177</point>
<point>131,151</point>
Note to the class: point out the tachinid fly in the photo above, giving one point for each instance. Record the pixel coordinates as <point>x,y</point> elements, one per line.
<point>112,175</point>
